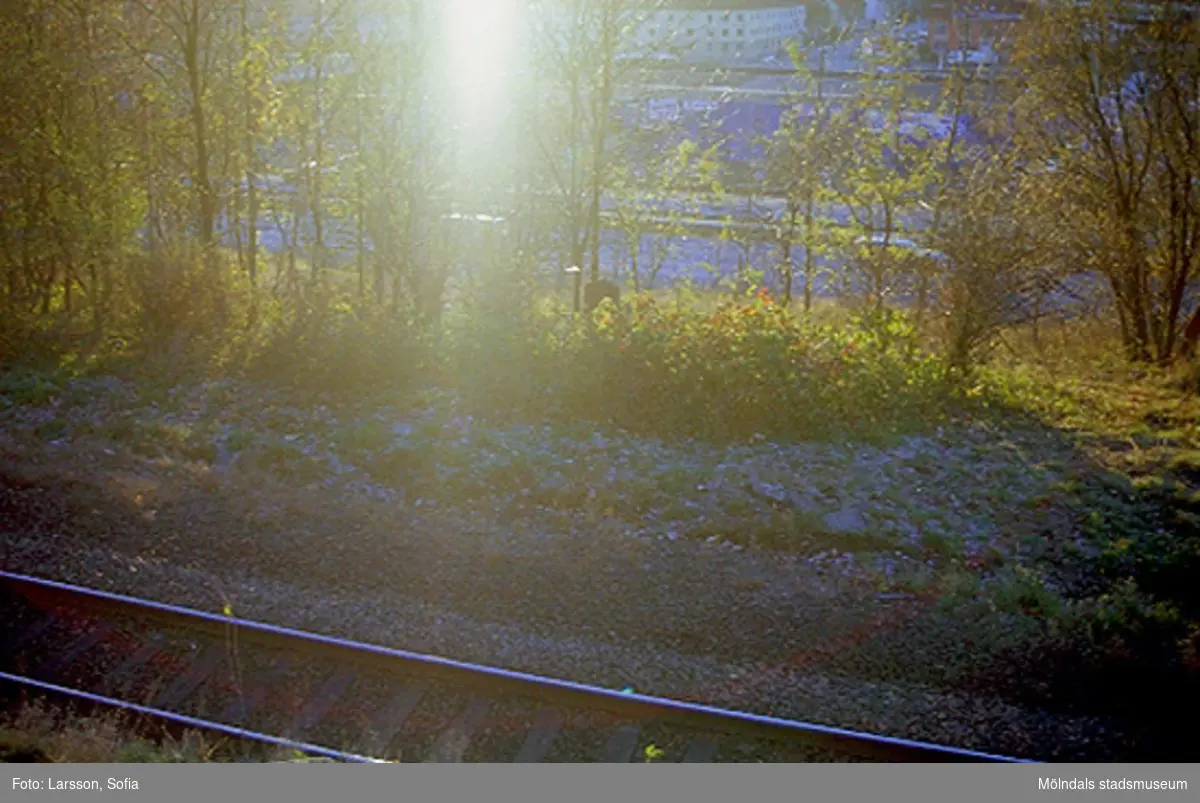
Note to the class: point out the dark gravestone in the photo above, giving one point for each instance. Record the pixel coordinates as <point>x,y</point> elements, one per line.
<point>595,292</point>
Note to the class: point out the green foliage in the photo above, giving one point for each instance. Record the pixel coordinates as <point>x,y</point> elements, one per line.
<point>1019,590</point>
<point>338,347</point>
<point>38,731</point>
<point>940,544</point>
<point>362,436</point>
<point>1151,538</point>
<point>1135,652</point>
<point>159,438</point>
<point>1131,631</point>
<point>288,461</point>
<point>748,367</point>
<point>32,389</point>
<point>1126,178</point>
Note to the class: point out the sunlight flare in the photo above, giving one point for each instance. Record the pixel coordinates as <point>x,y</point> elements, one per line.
<point>481,48</point>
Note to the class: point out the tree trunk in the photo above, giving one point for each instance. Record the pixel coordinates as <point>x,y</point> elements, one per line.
<point>808,253</point>
<point>207,202</point>
<point>251,174</point>
<point>1037,319</point>
<point>1191,336</point>
<point>360,192</point>
<point>787,273</point>
<point>633,263</point>
<point>318,255</point>
<point>600,120</point>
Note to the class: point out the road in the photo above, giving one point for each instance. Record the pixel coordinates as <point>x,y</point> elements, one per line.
<point>757,208</point>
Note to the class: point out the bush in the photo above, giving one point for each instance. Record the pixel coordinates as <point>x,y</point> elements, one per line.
<point>1150,537</point>
<point>748,367</point>
<point>338,347</point>
<point>27,388</point>
<point>1132,636</point>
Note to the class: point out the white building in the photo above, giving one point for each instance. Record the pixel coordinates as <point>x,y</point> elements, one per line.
<point>736,31</point>
<point>876,11</point>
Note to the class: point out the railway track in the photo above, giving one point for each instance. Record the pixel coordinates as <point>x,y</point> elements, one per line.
<point>349,701</point>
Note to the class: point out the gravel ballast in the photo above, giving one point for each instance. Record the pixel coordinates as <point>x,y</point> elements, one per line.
<point>603,559</point>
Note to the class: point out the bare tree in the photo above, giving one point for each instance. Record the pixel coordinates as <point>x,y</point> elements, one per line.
<point>1110,108</point>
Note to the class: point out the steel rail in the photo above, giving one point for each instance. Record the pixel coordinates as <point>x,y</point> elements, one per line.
<point>503,681</point>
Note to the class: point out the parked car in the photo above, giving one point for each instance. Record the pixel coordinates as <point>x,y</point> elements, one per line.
<point>902,244</point>
<point>985,57</point>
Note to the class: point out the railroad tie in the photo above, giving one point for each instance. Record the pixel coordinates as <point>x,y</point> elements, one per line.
<point>701,750</point>
<point>118,680</point>
<point>316,709</point>
<point>540,739</point>
<point>193,676</point>
<point>13,646</point>
<point>50,668</point>
<point>387,724</point>
<point>621,745</point>
<point>453,744</point>
<point>255,691</point>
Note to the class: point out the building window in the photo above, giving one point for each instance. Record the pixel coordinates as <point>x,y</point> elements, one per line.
<point>740,32</point>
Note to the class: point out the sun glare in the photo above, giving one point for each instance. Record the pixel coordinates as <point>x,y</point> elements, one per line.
<point>482,39</point>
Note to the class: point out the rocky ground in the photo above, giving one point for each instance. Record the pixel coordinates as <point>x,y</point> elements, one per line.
<point>851,584</point>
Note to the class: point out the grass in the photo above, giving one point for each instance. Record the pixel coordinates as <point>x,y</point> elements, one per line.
<point>41,733</point>
<point>27,389</point>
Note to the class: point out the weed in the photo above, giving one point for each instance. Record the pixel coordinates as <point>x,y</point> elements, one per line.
<point>785,529</point>
<point>957,588</point>
<point>287,460</point>
<point>40,732</point>
<point>1017,589</point>
<point>240,440</point>
<point>51,430</point>
<point>362,436</point>
<point>744,369</point>
<point>940,544</point>
<point>28,389</point>
<point>400,462</point>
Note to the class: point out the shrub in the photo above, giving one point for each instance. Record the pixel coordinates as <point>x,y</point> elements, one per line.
<point>20,389</point>
<point>1132,638</point>
<point>746,367</point>
<point>335,346</point>
<point>1150,537</point>
<point>1018,590</point>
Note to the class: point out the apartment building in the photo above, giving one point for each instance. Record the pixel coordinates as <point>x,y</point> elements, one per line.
<point>720,30</point>
<point>954,26</point>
